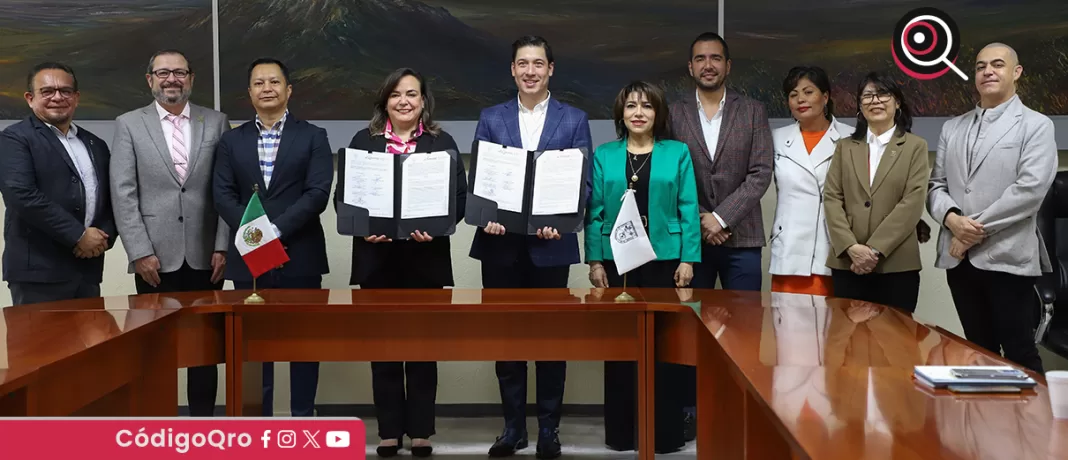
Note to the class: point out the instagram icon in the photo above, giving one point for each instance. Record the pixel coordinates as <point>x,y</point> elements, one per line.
<point>287,439</point>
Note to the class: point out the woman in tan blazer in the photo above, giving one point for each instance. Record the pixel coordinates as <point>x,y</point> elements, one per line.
<point>873,198</point>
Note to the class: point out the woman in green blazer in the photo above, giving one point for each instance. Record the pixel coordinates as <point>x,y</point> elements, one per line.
<point>661,173</point>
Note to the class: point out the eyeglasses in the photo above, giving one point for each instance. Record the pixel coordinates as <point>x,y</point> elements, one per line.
<point>164,73</point>
<point>64,93</point>
<point>869,98</point>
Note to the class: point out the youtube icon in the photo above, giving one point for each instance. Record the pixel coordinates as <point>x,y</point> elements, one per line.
<point>337,439</point>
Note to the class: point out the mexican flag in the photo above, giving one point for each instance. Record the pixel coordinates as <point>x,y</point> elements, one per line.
<point>256,241</point>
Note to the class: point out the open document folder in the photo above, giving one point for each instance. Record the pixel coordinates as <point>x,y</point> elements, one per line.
<point>526,190</point>
<point>394,194</point>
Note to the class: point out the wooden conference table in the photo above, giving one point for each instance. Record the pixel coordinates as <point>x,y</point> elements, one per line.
<point>779,375</point>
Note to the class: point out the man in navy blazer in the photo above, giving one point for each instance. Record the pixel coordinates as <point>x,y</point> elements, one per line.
<point>54,179</point>
<point>291,162</point>
<point>533,121</point>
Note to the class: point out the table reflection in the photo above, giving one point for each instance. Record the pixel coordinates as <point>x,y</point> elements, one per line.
<point>31,338</point>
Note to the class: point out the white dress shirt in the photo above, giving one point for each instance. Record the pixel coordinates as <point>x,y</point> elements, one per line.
<point>876,148</point>
<point>710,130</point>
<point>531,123</point>
<point>168,128</point>
<point>83,162</point>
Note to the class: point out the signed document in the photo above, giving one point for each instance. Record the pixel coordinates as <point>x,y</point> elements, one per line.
<point>500,175</point>
<point>425,185</point>
<point>369,182</point>
<point>557,182</point>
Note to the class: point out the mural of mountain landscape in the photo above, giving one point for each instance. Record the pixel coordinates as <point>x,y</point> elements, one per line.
<point>340,50</point>
<point>107,42</point>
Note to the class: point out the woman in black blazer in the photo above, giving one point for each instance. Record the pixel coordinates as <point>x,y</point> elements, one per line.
<point>402,123</point>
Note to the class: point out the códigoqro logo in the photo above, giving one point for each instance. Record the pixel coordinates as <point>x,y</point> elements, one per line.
<point>925,44</point>
<point>185,438</point>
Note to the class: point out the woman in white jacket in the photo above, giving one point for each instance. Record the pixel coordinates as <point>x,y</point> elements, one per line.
<point>803,151</point>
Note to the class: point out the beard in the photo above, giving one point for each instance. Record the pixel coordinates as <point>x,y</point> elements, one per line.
<point>708,86</point>
<point>53,118</point>
<point>163,98</point>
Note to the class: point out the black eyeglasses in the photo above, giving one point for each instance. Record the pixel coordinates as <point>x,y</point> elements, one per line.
<point>869,98</point>
<point>164,73</point>
<point>64,92</point>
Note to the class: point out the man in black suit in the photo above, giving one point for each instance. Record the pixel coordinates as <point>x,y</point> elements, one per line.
<point>54,179</point>
<point>291,162</point>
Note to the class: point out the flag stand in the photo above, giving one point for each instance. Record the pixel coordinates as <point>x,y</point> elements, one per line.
<point>624,297</point>
<point>255,297</point>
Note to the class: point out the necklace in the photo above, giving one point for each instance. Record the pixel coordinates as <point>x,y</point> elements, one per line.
<point>634,176</point>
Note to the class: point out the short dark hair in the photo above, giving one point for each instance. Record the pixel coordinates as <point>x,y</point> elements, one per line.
<point>269,60</point>
<point>165,52</point>
<point>381,114</point>
<point>711,37</point>
<point>49,66</point>
<point>661,123</point>
<point>818,77</point>
<point>882,82</point>
<point>532,40</point>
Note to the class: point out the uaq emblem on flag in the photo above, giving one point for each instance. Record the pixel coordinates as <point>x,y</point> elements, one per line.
<point>626,233</point>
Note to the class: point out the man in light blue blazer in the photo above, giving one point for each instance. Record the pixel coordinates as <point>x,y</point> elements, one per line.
<point>992,170</point>
<point>532,121</point>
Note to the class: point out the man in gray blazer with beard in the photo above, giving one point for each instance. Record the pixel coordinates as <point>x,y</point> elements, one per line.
<point>992,170</point>
<point>162,164</point>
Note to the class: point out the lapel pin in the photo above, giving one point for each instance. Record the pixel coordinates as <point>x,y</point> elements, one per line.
<point>200,118</point>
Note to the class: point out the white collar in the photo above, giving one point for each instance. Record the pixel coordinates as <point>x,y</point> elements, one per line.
<point>539,107</point>
<point>883,138</point>
<point>163,113</point>
<point>72,131</point>
<point>722,100</point>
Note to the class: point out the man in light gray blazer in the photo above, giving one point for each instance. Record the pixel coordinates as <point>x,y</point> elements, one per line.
<point>992,170</point>
<point>162,164</point>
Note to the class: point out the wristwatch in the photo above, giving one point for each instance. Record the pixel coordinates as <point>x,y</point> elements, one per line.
<point>876,251</point>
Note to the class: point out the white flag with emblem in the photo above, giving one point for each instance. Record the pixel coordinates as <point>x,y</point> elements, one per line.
<point>630,244</point>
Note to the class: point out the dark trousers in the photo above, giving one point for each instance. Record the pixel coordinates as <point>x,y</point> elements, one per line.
<point>303,376</point>
<point>512,375</point>
<point>997,312</point>
<point>404,392</point>
<point>736,269</point>
<point>29,293</point>
<point>621,377</point>
<point>202,382</point>
<point>900,290</point>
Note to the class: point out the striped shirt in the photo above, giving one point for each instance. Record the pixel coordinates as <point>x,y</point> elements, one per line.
<point>268,143</point>
<point>396,145</point>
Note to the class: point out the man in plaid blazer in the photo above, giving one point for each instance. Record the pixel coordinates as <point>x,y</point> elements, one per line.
<point>730,142</point>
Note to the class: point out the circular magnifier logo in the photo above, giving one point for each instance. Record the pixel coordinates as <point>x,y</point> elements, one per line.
<point>925,44</point>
